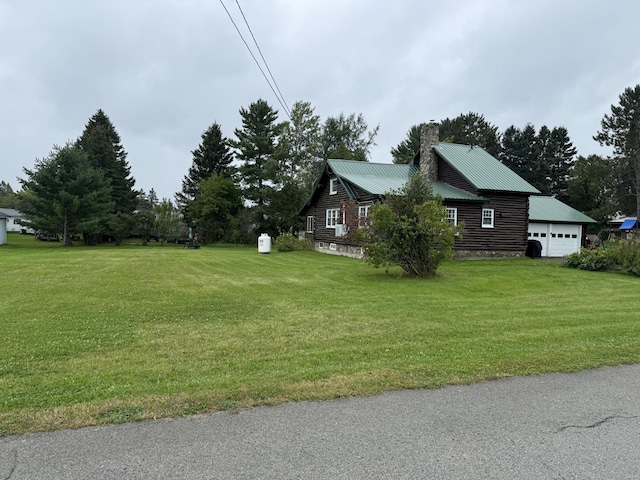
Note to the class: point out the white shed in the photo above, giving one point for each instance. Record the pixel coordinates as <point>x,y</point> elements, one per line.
<point>3,229</point>
<point>556,225</point>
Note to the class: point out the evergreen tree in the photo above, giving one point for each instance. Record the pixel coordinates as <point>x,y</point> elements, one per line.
<point>215,209</point>
<point>65,194</point>
<point>8,198</point>
<point>471,129</point>
<point>407,149</point>
<point>519,152</point>
<point>211,157</point>
<point>560,162</point>
<point>543,159</point>
<point>255,145</point>
<point>590,188</point>
<point>101,142</point>
<point>621,130</point>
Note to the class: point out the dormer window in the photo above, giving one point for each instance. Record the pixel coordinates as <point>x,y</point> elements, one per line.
<point>333,186</point>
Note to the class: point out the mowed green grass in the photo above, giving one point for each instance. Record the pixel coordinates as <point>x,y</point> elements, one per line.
<point>93,335</point>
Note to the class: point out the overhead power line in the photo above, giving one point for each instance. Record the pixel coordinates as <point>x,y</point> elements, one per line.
<point>262,56</point>
<point>277,94</point>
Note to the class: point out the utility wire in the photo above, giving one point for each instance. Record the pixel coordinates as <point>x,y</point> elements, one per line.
<point>263,59</point>
<point>281,102</point>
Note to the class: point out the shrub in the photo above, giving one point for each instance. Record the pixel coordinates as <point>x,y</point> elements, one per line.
<point>626,256</point>
<point>592,260</point>
<point>288,242</point>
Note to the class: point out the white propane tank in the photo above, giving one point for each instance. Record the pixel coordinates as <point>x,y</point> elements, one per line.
<point>264,243</point>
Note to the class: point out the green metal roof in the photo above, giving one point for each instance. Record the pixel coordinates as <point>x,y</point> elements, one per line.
<point>549,209</point>
<point>375,178</point>
<point>381,178</point>
<point>483,170</point>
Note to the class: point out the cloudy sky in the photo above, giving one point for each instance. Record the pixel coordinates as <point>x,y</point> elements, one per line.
<point>164,70</point>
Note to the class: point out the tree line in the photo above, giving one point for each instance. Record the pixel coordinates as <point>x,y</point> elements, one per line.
<point>255,182</point>
<point>234,190</point>
<point>598,186</point>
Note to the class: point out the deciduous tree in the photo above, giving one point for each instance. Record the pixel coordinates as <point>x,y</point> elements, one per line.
<point>410,230</point>
<point>471,129</point>
<point>215,209</point>
<point>168,221</point>
<point>347,137</point>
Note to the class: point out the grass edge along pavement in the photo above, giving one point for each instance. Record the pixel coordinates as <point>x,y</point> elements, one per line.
<point>107,334</point>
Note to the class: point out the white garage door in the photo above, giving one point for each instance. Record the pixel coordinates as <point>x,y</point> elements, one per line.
<point>557,239</point>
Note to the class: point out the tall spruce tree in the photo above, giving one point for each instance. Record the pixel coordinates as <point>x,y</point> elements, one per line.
<point>255,146</point>
<point>560,162</point>
<point>102,144</point>
<point>621,130</point>
<point>212,156</point>
<point>544,159</point>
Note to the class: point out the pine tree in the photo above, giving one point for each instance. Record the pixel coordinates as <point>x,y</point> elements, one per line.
<point>255,145</point>
<point>407,149</point>
<point>621,130</point>
<point>211,157</point>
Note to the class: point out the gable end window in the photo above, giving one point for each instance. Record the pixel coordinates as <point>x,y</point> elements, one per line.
<point>310,224</point>
<point>333,186</point>
<point>487,217</point>
<point>452,215</point>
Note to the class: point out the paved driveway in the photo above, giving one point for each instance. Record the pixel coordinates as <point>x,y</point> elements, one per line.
<point>561,426</point>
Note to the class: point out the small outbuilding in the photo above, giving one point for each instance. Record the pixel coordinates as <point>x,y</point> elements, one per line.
<point>557,226</point>
<point>3,228</point>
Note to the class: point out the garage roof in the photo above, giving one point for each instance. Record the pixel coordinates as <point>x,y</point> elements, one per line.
<point>550,209</point>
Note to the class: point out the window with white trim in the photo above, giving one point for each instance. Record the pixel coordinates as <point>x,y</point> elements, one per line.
<point>310,224</point>
<point>452,215</point>
<point>332,217</point>
<point>333,186</point>
<point>487,217</point>
<point>363,213</point>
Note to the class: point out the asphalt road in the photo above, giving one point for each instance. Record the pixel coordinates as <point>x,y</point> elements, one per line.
<point>561,426</point>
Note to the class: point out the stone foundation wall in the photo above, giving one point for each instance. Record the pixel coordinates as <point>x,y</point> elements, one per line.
<point>338,249</point>
<point>354,251</point>
<point>482,254</point>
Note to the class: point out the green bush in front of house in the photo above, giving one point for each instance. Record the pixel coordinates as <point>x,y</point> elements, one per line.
<point>288,242</point>
<point>592,260</point>
<point>620,257</point>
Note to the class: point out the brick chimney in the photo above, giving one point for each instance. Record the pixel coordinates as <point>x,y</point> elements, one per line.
<point>429,137</point>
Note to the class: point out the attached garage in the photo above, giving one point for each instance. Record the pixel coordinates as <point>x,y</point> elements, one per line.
<point>556,225</point>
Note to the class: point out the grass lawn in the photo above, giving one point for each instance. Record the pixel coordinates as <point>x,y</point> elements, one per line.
<point>93,335</point>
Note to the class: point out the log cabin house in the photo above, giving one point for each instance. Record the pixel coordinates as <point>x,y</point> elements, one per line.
<point>491,199</point>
